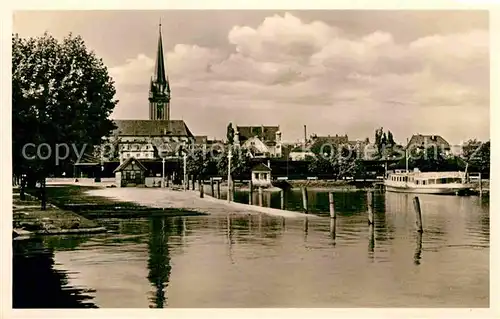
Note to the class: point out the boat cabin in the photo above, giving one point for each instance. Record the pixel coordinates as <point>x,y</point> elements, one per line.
<point>428,178</point>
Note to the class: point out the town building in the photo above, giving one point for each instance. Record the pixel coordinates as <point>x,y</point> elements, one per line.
<point>260,141</point>
<point>261,175</point>
<point>421,142</point>
<point>154,138</point>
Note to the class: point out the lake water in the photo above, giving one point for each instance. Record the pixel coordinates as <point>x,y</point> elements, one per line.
<point>265,261</point>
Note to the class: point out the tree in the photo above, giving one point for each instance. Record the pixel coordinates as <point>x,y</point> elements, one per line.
<point>430,160</point>
<point>61,94</point>
<point>479,158</point>
<point>230,134</point>
<point>390,139</point>
<point>240,162</point>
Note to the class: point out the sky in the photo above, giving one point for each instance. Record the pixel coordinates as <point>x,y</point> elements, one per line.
<point>336,71</point>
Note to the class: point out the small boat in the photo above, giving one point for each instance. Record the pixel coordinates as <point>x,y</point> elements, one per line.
<point>428,182</point>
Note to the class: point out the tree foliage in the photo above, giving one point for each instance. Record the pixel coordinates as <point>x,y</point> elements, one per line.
<point>61,93</point>
<point>241,163</point>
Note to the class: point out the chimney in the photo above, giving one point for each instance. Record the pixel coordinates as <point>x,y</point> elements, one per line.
<point>305,134</point>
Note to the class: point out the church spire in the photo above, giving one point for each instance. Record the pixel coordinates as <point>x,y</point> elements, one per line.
<point>159,71</point>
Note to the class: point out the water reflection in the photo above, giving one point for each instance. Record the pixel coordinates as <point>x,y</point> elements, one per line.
<point>159,258</point>
<point>36,284</point>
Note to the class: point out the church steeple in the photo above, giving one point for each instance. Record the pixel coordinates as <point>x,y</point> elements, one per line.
<point>159,91</point>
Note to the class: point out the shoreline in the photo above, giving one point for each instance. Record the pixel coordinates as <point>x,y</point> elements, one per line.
<point>29,220</point>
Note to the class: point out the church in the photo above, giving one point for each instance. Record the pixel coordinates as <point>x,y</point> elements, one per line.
<point>159,135</point>
<point>148,141</point>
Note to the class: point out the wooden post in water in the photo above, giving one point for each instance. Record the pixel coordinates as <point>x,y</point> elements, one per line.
<point>333,228</point>
<point>304,199</point>
<point>250,193</point>
<point>218,189</point>
<point>200,186</point>
<point>282,197</point>
<point>193,182</point>
<point>212,187</point>
<point>416,205</point>
<point>332,205</point>
<point>369,201</point>
<point>232,189</point>
<point>260,196</point>
<point>480,185</point>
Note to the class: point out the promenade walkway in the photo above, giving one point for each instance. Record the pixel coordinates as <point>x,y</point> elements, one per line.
<point>190,200</point>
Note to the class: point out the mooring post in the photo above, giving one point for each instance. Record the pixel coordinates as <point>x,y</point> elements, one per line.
<point>200,186</point>
<point>333,228</point>
<point>193,182</point>
<point>332,205</point>
<point>418,212</point>
<point>369,200</point>
<point>304,199</point>
<point>212,187</point>
<point>261,195</point>
<point>232,189</point>
<point>282,197</point>
<point>371,242</point>
<point>250,193</point>
<point>480,185</point>
<point>218,189</point>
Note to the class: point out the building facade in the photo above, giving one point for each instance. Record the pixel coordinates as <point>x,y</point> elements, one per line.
<point>261,141</point>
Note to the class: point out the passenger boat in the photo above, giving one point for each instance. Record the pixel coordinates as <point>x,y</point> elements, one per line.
<point>428,182</point>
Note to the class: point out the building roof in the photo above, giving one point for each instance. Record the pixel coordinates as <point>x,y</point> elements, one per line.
<point>127,162</point>
<point>201,139</point>
<point>152,128</point>
<point>264,133</point>
<point>423,140</point>
<point>261,167</point>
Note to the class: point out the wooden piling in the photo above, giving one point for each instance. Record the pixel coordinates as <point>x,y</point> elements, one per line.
<point>418,212</point>
<point>232,189</point>
<point>218,189</point>
<point>332,205</point>
<point>418,250</point>
<point>371,242</point>
<point>304,199</point>
<point>480,185</point>
<point>282,197</point>
<point>193,181</point>
<point>200,186</point>
<point>333,228</point>
<point>212,190</point>
<point>369,201</point>
<point>250,193</point>
<point>260,196</point>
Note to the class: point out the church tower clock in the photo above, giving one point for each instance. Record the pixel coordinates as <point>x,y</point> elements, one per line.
<point>159,89</point>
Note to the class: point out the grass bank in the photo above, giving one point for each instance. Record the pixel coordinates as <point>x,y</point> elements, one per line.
<point>28,218</point>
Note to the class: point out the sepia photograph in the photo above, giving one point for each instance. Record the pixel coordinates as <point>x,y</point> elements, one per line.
<point>250,159</point>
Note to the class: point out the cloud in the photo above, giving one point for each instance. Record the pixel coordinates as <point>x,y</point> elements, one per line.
<point>287,63</point>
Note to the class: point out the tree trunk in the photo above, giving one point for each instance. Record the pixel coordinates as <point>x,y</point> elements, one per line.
<point>43,194</point>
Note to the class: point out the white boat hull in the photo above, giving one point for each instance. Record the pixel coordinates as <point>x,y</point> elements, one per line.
<point>445,190</point>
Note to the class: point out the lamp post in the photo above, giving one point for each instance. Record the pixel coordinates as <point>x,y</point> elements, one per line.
<point>163,172</point>
<point>185,170</point>
<point>229,156</point>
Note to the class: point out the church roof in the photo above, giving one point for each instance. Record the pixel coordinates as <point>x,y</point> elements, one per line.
<point>264,133</point>
<point>159,70</point>
<point>152,128</point>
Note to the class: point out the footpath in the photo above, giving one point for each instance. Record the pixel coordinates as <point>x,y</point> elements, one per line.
<point>187,200</point>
